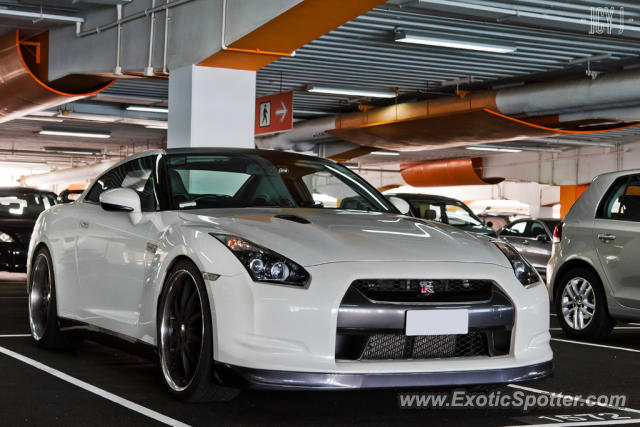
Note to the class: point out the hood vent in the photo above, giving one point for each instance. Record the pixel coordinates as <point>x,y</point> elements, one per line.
<point>293,218</point>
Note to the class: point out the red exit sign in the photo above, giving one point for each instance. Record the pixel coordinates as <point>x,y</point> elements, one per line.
<point>274,113</point>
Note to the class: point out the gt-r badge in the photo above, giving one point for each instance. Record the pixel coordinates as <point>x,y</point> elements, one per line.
<point>426,288</point>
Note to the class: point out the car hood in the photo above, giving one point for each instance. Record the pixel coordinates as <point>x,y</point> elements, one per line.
<point>319,236</point>
<point>480,229</point>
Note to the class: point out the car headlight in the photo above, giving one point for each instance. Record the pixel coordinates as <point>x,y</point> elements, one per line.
<point>525,273</point>
<point>264,265</point>
<point>5,238</point>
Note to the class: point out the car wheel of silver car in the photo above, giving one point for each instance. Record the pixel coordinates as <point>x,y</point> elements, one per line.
<point>581,305</point>
<point>185,339</point>
<point>43,313</point>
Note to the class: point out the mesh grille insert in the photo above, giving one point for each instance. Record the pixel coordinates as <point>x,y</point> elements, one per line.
<point>418,290</point>
<point>397,346</point>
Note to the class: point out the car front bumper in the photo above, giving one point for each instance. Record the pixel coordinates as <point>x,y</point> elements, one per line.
<point>13,257</point>
<point>270,331</point>
<point>281,380</point>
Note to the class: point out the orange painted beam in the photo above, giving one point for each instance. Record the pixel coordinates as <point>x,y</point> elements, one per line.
<point>287,32</point>
<point>568,196</point>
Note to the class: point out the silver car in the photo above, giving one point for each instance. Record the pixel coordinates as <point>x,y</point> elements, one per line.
<point>532,238</point>
<point>594,271</point>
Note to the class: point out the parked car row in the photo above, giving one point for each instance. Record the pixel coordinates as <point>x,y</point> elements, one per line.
<point>19,210</point>
<point>593,275</point>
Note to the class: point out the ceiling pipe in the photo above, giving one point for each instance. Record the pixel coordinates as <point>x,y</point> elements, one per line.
<point>40,16</point>
<point>128,18</point>
<point>440,173</point>
<point>410,126</point>
<point>576,142</point>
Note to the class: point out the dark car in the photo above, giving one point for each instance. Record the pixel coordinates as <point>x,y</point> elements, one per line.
<point>446,210</point>
<point>19,210</point>
<point>532,237</point>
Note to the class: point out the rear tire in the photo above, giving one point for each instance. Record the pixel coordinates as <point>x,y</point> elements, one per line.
<point>43,311</point>
<point>185,338</point>
<point>581,305</point>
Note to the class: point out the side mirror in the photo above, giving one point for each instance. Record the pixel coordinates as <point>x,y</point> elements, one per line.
<point>542,238</point>
<point>400,204</point>
<point>120,200</point>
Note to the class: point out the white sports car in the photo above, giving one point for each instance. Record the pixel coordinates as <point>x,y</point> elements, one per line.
<point>264,269</point>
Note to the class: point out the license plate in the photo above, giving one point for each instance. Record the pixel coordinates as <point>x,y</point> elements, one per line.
<point>437,322</point>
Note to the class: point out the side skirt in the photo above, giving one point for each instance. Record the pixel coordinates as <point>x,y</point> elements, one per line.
<point>109,338</point>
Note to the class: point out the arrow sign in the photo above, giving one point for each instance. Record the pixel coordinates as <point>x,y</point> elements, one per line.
<point>282,112</point>
<point>274,113</point>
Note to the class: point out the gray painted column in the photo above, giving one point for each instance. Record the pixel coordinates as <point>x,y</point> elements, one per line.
<point>211,107</point>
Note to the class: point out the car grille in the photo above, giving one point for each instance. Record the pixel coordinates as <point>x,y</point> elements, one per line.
<point>416,290</point>
<point>397,346</point>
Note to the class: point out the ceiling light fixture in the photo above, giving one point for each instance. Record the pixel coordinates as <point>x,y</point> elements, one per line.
<point>503,150</point>
<point>75,133</point>
<point>372,93</point>
<point>73,150</point>
<point>147,109</point>
<point>454,42</point>
<point>385,153</point>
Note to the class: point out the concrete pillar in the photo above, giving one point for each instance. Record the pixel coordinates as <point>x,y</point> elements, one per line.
<point>211,107</point>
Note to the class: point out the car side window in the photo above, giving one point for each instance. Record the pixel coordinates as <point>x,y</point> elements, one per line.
<point>622,200</point>
<point>136,175</point>
<point>535,230</point>
<point>515,229</point>
<point>426,210</point>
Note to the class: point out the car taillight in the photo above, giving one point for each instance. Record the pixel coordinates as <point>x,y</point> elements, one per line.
<point>557,233</point>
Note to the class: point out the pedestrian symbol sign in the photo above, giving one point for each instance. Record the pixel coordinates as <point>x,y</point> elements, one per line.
<point>265,114</point>
<point>274,113</point>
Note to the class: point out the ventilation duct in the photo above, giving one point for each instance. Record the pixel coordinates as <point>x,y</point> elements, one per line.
<point>443,173</point>
<point>24,85</point>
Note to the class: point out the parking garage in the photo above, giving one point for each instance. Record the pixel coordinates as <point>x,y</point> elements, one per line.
<point>477,127</point>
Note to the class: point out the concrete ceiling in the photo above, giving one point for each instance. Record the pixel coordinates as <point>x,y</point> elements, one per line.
<point>362,53</point>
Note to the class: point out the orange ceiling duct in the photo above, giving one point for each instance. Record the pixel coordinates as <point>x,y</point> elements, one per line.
<point>440,173</point>
<point>24,87</point>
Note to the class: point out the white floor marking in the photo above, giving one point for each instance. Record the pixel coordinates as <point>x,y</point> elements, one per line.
<point>633,350</point>
<point>93,389</point>
<point>637,328</point>
<point>583,423</point>
<point>574,398</point>
<point>15,335</point>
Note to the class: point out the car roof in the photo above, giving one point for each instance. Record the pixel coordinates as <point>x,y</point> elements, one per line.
<point>617,173</point>
<point>424,197</point>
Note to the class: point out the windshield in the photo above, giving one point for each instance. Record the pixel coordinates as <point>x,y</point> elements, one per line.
<point>271,179</point>
<point>24,205</point>
<point>459,214</point>
<point>449,212</point>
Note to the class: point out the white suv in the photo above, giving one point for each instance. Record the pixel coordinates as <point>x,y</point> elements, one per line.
<point>593,275</point>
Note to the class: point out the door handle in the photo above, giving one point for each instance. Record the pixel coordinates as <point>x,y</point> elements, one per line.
<point>606,237</point>
<point>84,224</point>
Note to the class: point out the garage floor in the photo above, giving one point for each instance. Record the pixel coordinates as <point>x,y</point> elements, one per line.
<point>100,385</point>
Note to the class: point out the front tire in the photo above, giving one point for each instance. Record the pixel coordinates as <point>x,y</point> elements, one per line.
<point>43,312</point>
<point>185,338</point>
<point>581,305</point>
